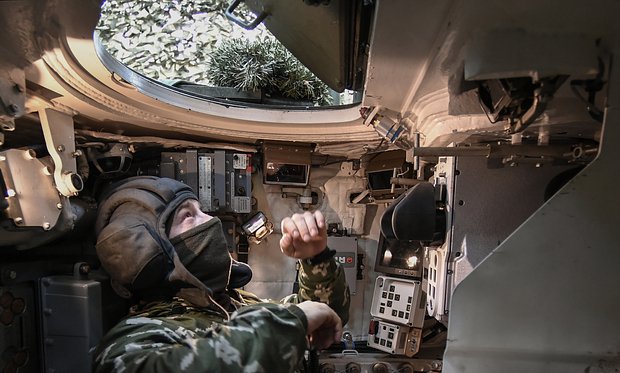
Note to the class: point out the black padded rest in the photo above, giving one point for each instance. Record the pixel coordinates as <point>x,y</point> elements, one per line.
<point>412,216</point>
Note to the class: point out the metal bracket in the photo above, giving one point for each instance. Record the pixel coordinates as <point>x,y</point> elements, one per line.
<point>246,25</point>
<point>60,143</point>
<point>32,200</point>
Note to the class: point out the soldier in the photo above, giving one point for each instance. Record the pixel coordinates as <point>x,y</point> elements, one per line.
<point>190,314</point>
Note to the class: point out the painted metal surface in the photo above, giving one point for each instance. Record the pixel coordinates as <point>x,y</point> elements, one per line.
<point>546,300</point>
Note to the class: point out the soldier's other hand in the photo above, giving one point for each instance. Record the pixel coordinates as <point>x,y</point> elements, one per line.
<point>324,325</point>
<point>303,235</point>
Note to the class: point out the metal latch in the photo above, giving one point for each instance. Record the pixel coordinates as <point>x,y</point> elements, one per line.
<point>60,141</point>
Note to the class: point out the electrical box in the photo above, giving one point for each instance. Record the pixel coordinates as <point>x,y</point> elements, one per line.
<point>398,309</point>
<point>346,255</point>
<point>393,338</point>
<point>398,300</point>
<point>286,164</point>
<point>71,322</point>
<point>222,180</point>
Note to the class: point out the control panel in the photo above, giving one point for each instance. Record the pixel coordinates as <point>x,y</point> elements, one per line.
<point>398,310</point>
<point>222,180</point>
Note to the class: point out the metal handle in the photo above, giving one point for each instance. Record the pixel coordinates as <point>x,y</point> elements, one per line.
<point>248,26</point>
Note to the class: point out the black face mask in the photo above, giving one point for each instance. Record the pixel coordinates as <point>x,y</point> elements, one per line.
<point>203,252</point>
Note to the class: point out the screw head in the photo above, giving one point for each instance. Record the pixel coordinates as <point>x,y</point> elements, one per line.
<point>84,269</point>
<point>12,110</point>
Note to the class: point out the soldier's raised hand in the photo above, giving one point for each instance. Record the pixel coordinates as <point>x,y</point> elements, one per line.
<point>303,235</point>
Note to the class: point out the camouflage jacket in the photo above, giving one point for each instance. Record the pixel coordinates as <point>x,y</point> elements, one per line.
<point>174,336</point>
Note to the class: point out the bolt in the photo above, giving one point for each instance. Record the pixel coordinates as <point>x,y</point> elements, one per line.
<point>84,269</point>
<point>47,226</point>
<point>12,274</point>
<point>538,165</point>
<point>60,148</point>
<point>2,158</point>
<point>11,192</point>
<point>76,153</point>
<point>12,110</point>
<point>47,311</point>
<point>59,206</point>
<point>18,220</point>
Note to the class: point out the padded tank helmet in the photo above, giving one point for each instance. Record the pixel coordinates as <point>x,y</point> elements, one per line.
<point>132,242</point>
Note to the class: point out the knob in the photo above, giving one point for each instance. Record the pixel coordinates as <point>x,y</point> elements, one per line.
<point>405,368</point>
<point>353,368</point>
<point>380,368</point>
<point>327,368</point>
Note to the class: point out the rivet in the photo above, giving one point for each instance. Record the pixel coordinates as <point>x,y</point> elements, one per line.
<point>60,148</point>
<point>12,110</point>
<point>47,226</point>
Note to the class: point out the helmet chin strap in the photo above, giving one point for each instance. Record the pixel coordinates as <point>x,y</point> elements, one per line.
<point>201,299</point>
<point>200,294</point>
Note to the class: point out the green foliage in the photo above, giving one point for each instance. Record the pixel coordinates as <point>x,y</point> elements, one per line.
<point>264,64</point>
<point>175,40</point>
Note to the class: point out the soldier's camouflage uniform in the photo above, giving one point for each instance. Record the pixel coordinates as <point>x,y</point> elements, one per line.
<point>260,337</point>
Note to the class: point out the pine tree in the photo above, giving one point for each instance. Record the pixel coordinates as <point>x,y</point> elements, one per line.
<point>264,64</point>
